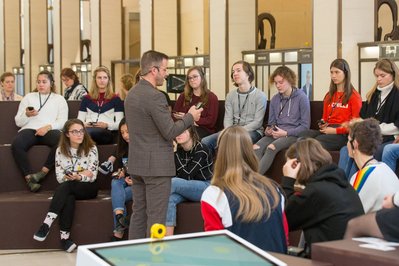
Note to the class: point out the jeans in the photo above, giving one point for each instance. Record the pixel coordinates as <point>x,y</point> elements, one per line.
<point>100,135</point>
<point>390,155</point>
<point>211,140</point>
<point>347,163</point>
<point>183,190</point>
<point>120,194</point>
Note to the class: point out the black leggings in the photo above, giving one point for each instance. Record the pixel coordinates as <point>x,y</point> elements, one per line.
<point>63,202</point>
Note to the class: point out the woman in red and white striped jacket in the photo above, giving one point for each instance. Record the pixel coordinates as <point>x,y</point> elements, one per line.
<point>240,199</point>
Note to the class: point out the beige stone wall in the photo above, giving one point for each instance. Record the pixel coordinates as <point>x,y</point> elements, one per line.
<point>293,22</point>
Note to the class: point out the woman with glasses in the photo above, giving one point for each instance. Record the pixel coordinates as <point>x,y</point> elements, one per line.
<point>101,110</point>
<point>41,114</point>
<point>374,180</point>
<point>320,201</point>
<point>7,80</point>
<point>341,104</point>
<point>289,115</point>
<point>382,104</point>
<point>76,171</point>
<point>196,91</point>
<point>74,90</point>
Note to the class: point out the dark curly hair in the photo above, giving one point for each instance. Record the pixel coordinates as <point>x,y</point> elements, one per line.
<point>367,133</point>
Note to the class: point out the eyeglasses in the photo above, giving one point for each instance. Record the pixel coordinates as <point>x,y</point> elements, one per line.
<point>77,132</point>
<point>194,77</point>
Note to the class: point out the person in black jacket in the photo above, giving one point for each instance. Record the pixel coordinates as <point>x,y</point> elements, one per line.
<point>381,104</point>
<point>320,200</point>
<point>194,167</point>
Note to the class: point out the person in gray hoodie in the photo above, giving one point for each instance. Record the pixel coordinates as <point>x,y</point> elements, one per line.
<point>289,115</point>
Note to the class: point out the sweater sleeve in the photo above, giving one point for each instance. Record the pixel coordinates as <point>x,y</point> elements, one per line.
<point>92,158</point>
<point>260,110</point>
<point>300,207</point>
<point>83,109</point>
<point>228,113</point>
<point>20,118</point>
<point>178,107</point>
<point>191,169</point>
<point>62,113</point>
<point>355,104</point>
<point>209,120</point>
<point>118,113</point>
<point>215,209</point>
<point>163,120</point>
<point>60,166</point>
<point>326,108</point>
<point>304,121</point>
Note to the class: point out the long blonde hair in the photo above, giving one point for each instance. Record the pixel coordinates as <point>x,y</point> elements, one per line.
<point>386,66</point>
<point>236,170</point>
<point>109,91</point>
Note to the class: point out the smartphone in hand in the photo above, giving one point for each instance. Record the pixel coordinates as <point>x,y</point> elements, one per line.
<point>31,108</point>
<point>199,105</point>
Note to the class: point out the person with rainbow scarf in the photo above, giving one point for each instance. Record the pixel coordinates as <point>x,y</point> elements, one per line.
<point>374,180</point>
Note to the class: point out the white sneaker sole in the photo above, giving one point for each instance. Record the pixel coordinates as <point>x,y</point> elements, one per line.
<point>71,248</point>
<point>38,238</point>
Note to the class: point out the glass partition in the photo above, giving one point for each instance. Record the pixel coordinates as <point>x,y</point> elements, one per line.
<point>369,54</point>
<point>264,62</point>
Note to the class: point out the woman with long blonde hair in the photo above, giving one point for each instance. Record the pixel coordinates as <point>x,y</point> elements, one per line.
<point>101,110</point>
<point>242,200</point>
<point>381,104</point>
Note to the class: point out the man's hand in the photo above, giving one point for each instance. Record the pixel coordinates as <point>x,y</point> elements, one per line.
<point>196,113</point>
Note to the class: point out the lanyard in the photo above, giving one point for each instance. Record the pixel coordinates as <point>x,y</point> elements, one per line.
<point>333,106</point>
<point>240,109</point>
<point>380,104</point>
<point>74,161</point>
<point>283,106</point>
<point>40,100</point>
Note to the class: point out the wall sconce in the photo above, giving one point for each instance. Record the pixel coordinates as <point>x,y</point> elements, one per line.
<point>49,68</point>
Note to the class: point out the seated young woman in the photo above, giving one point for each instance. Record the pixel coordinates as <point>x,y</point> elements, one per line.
<point>196,91</point>
<point>121,190</point>
<point>7,92</point>
<point>74,90</point>
<point>381,104</point>
<point>381,224</point>
<point>41,114</point>
<point>374,180</point>
<point>194,165</point>
<point>241,200</point>
<point>342,103</point>
<point>76,171</point>
<point>101,110</point>
<point>289,115</point>
<point>320,200</point>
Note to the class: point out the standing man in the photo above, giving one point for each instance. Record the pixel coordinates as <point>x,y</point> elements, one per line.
<point>151,131</point>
